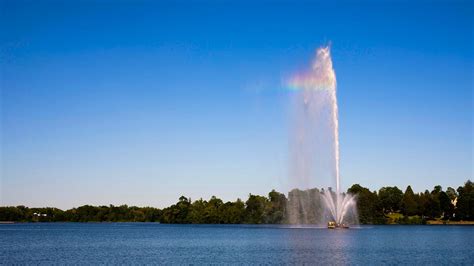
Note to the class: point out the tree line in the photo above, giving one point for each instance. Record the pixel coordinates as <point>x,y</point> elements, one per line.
<point>387,205</point>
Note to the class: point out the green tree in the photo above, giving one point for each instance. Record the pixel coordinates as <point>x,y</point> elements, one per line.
<point>255,209</point>
<point>434,206</point>
<point>368,205</point>
<point>277,208</point>
<point>465,203</point>
<point>445,205</point>
<point>408,205</point>
<point>183,207</point>
<point>177,213</point>
<point>11,214</point>
<point>211,212</point>
<point>452,194</point>
<point>197,211</point>
<point>390,198</point>
<point>232,212</point>
<point>151,214</point>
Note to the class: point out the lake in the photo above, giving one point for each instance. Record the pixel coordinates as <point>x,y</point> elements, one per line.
<point>148,243</point>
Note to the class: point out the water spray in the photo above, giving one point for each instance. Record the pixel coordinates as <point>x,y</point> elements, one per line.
<point>322,78</point>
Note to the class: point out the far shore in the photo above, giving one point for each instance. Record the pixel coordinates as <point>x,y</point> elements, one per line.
<point>433,222</point>
<point>440,222</point>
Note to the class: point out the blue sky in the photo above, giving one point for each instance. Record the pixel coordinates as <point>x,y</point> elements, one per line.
<point>139,103</point>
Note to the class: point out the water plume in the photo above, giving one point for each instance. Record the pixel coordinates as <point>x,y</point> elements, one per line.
<point>316,99</point>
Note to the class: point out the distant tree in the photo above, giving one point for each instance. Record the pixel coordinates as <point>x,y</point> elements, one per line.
<point>177,213</point>
<point>255,209</point>
<point>447,208</point>
<point>211,212</point>
<point>408,205</point>
<point>197,211</point>
<point>452,194</point>
<point>86,213</point>
<point>434,203</point>
<point>368,205</point>
<point>390,198</point>
<point>237,212</point>
<point>151,214</point>
<point>423,203</point>
<point>465,205</point>
<point>136,214</point>
<point>429,203</point>
<point>437,189</point>
<point>232,212</point>
<point>11,214</point>
<point>277,208</point>
<point>183,207</point>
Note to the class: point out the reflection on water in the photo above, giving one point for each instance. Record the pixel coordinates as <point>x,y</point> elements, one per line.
<point>126,243</point>
<point>330,246</point>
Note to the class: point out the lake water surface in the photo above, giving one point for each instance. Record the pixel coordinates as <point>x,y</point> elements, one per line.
<point>148,243</point>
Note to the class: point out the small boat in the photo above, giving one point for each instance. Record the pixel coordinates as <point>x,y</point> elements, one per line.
<point>343,226</point>
<point>334,225</point>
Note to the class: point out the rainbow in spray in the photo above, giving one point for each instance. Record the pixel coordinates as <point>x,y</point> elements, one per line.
<point>322,77</point>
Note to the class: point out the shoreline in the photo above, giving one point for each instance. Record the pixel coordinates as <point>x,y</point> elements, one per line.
<point>428,223</point>
<point>435,222</point>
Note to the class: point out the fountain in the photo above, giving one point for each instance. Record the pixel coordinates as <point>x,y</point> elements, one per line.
<point>316,100</point>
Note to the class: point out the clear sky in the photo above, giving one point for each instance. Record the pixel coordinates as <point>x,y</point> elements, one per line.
<point>117,102</point>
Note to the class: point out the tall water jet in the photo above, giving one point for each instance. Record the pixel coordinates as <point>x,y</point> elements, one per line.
<point>316,99</point>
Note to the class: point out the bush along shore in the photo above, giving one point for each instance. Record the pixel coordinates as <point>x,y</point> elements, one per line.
<point>388,205</point>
